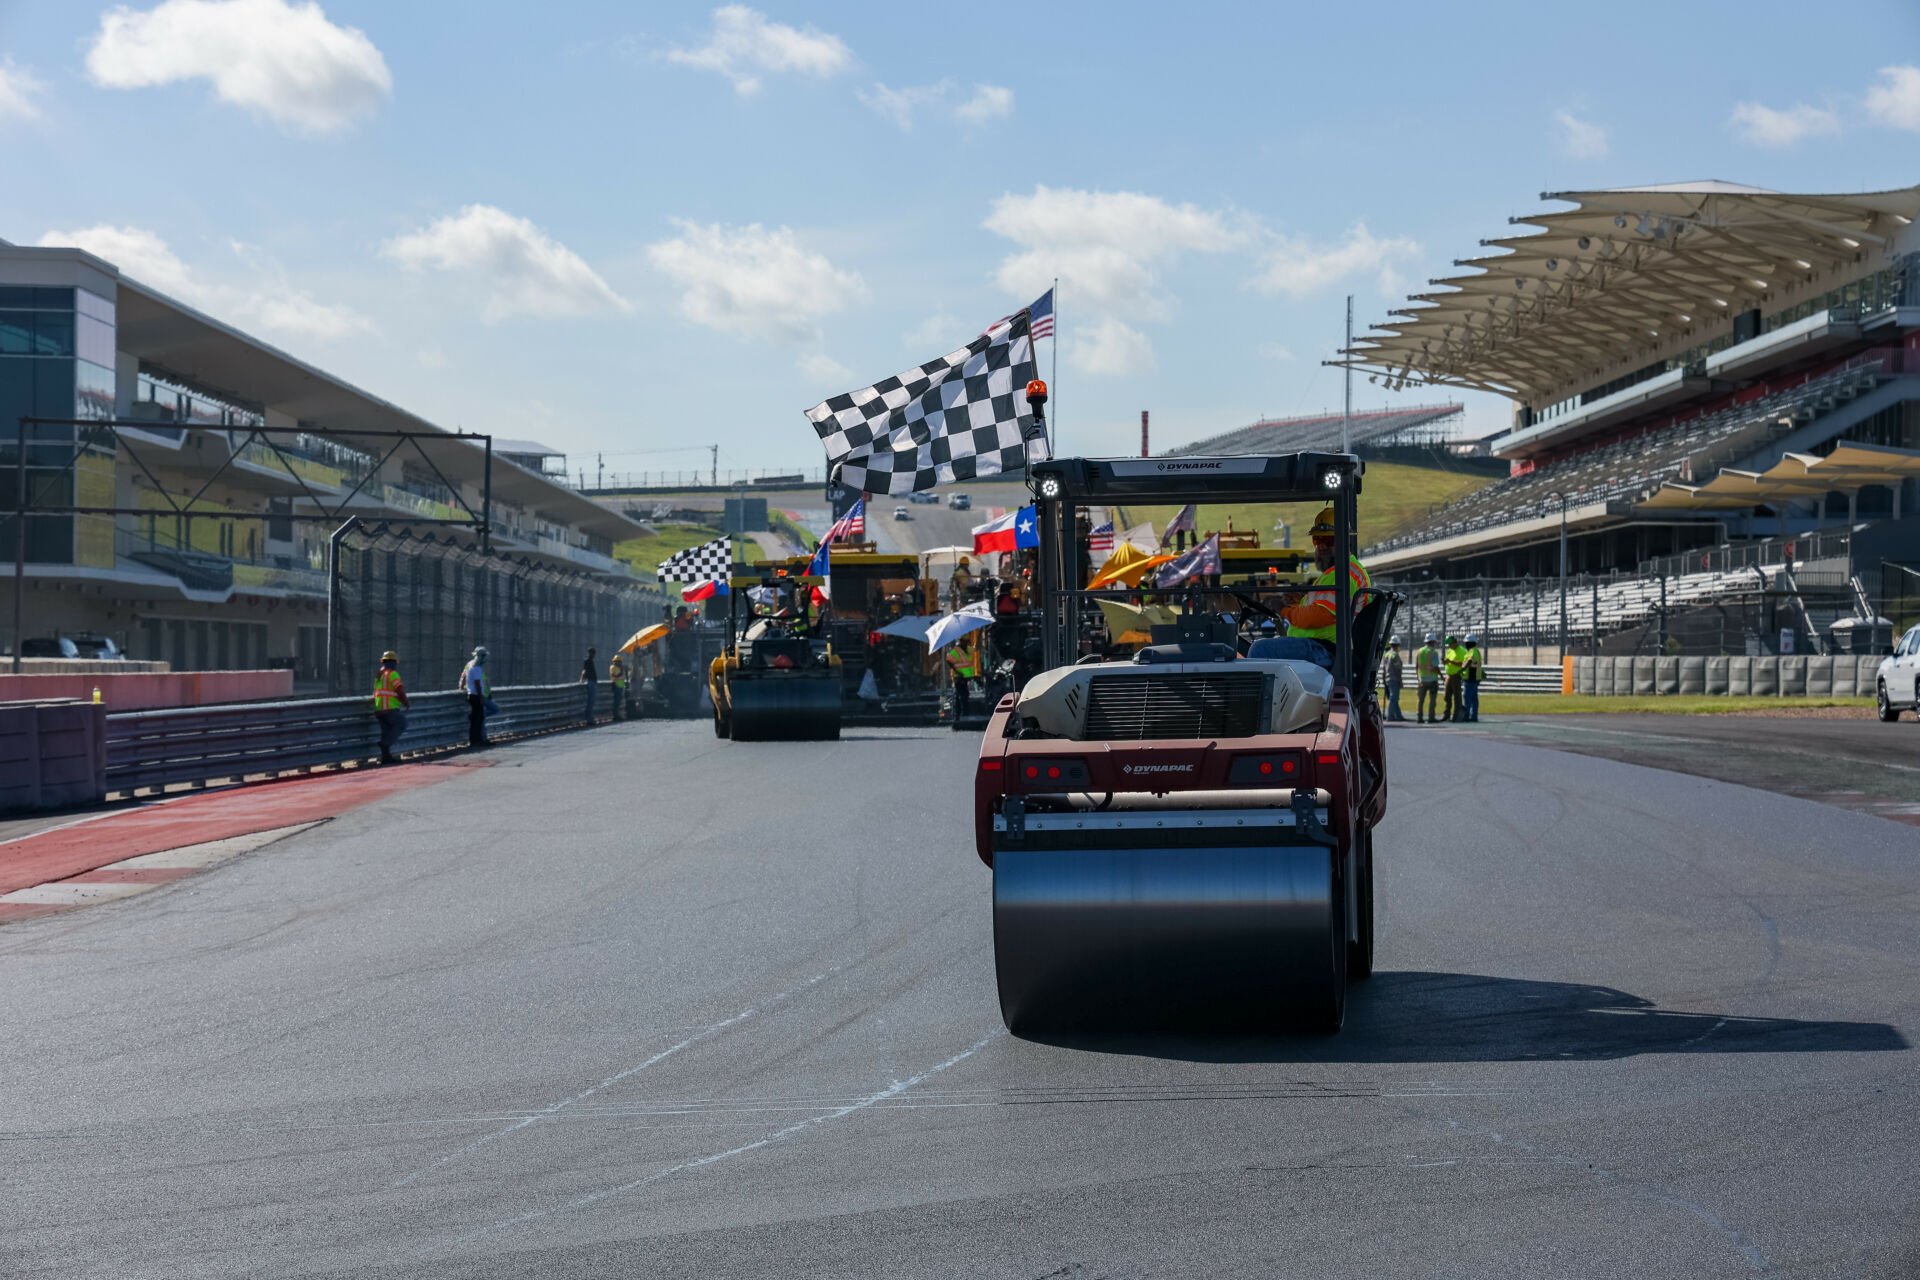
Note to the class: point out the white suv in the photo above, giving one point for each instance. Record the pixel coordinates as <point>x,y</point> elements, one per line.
<point>1897,684</point>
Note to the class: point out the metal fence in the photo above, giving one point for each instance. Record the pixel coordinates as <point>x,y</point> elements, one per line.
<point>432,600</point>
<point>147,749</point>
<point>1900,593</point>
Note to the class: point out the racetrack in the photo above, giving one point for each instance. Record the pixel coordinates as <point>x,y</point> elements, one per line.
<point>635,1002</point>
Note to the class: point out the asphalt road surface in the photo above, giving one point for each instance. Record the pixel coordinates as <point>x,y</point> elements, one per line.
<point>639,1003</point>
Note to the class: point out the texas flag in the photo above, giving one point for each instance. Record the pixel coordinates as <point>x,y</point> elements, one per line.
<point>704,590</point>
<point>1010,532</point>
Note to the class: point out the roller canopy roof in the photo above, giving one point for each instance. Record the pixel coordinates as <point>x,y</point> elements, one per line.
<point>1593,280</point>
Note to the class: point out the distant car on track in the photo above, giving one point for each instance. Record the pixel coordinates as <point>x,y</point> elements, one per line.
<point>960,501</point>
<point>923,498</point>
<point>1897,684</point>
<point>901,513</point>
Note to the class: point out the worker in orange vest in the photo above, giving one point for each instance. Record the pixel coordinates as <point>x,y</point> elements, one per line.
<point>390,704</point>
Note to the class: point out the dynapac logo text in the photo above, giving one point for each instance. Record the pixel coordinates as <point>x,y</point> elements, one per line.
<point>1156,768</point>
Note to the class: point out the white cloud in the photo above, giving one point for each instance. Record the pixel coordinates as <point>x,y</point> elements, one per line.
<point>18,89</point>
<point>753,281</point>
<point>899,105</point>
<point>744,45</point>
<point>268,301</point>
<point>1110,346</point>
<point>1275,352</point>
<point>1895,102</point>
<point>939,330</point>
<point>1103,245</point>
<point>527,271</point>
<point>989,102</point>
<point>825,370</point>
<point>1296,266</point>
<point>1768,127</point>
<point>1580,139</point>
<point>281,60</point>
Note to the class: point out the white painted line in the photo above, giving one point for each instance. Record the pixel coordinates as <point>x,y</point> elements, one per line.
<point>70,893</point>
<point>197,857</point>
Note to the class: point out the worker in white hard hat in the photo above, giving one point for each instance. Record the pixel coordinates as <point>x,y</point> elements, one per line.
<point>1426,669</point>
<point>1396,669</point>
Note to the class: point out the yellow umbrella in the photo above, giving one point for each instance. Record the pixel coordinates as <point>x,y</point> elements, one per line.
<point>1128,564</point>
<point>1124,619</point>
<point>644,637</point>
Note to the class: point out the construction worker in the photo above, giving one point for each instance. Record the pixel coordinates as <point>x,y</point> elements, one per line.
<point>964,667</point>
<point>1396,679</point>
<point>960,584</point>
<point>1312,616</point>
<point>590,680</point>
<point>1426,670</point>
<point>1453,664</point>
<point>1470,677</point>
<point>390,704</point>
<point>479,690</point>
<point>617,681</point>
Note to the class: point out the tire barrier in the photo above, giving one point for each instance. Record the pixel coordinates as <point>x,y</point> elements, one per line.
<point>198,745</point>
<point>1789,676</point>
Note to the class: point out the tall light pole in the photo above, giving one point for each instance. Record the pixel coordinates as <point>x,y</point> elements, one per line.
<point>1346,416</point>
<point>1563,572</point>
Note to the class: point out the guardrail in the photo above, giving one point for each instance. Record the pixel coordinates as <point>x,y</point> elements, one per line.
<point>1502,678</point>
<point>149,749</point>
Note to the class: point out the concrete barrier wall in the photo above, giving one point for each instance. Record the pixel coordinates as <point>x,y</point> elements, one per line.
<point>150,691</point>
<point>52,755</point>
<point>1843,676</point>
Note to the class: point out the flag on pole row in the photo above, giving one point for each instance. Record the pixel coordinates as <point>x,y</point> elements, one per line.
<point>698,564</point>
<point>960,417</point>
<point>705,590</point>
<point>1182,522</point>
<point>1100,541</point>
<point>1197,562</point>
<point>851,525</point>
<point>1040,316</point>
<point>822,563</point>
<point>1010,532</point>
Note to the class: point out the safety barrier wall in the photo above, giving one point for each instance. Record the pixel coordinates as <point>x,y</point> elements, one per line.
<point>146,749</point>
<point>147,691</point>
<point>51,754</point>
<point>1792,676</point>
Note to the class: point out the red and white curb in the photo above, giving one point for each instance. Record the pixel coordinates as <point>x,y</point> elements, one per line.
<point>136,875</point>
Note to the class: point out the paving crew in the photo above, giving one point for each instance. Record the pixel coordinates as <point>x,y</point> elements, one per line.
<point>479,690</point>
<point>1313,616</point>
<point>1426,670</point>
<point>1396,680</point>
<point>1453,663</point>
<point>960,585</point>
<point>1470,677</point>
<point>390,704</point>
<point>964,667</point>
<point>617,681</point>
<point>590,679</point>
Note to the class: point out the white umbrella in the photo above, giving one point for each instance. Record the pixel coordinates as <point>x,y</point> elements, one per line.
<point>956,625</point>
<point>913,627</point>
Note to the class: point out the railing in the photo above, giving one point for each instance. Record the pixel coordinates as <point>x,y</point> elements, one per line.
<point>1827,544</point>
<point>147,749</point>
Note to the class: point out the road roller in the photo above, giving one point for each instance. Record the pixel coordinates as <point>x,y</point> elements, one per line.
<point>775,681</point>
<point>1183,837</point>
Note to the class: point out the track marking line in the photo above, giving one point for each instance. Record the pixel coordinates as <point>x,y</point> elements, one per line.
<point>711,1029</point>
<point>893,1090</point>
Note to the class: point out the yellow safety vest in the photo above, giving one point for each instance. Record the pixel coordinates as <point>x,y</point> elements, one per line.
<point>1426,663</point>
<point>961,662</point>
<point>1456,661</point>
<point>386,691</point>
<point>1475,662</point>
<point>617,673</point>
<point>1357,577</point>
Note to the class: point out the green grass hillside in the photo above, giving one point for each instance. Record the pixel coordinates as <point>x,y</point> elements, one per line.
<point>1392,497</point>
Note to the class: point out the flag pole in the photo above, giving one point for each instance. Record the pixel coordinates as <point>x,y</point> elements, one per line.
<point>1055,379</point>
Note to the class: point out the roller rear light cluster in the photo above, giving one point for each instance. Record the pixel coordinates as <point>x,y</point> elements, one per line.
<point>1266,769</point>
<point>1047,774</point>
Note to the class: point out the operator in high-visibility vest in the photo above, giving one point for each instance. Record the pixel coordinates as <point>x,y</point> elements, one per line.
<point>964,668</point>
<point>617,678</point>
<point>1313,616</point>
<point>390,704</point>
<point>1426,670</point>
<point>1453,661</point>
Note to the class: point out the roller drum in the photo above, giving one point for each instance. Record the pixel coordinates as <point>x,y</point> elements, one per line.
<point>784,708</point>
<point>1214,935</point>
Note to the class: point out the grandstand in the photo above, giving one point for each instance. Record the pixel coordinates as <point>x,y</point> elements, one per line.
<point>1423,424</point>
<point>1693,367</point>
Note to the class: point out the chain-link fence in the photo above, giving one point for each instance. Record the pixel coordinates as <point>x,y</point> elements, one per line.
<point>1900,593</point>
<point>432,600</point>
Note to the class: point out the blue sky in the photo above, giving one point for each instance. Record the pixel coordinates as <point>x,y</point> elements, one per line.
<point>641,229</point>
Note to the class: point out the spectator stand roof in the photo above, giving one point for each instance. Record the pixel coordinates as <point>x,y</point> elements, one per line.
<point>1319,431</point>
<point>1849,468</point>
<point>1605,278</point>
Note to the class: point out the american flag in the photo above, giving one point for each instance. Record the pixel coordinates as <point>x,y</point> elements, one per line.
<point>1100,541</point>
<point>851,525</point>
<point>1040,317</point>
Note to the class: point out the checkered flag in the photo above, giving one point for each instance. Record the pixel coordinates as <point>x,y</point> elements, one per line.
<point>960,417</point>
<point>704,563</point>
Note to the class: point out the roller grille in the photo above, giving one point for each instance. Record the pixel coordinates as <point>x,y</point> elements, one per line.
<point>1185,706</point>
